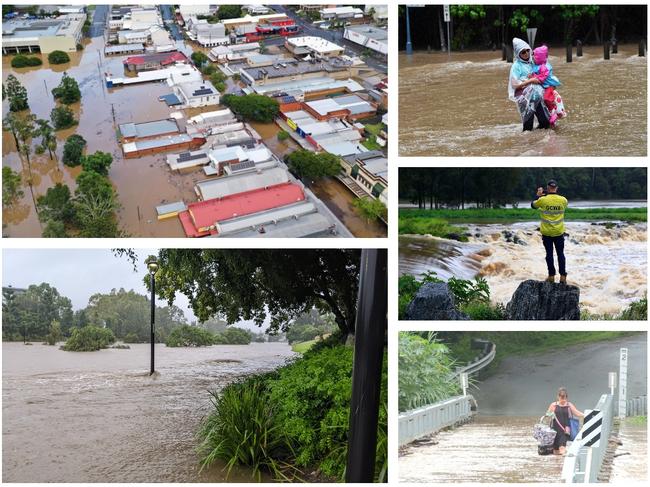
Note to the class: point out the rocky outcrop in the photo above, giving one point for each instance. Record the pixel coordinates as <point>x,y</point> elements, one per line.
<point>434,301</point>
<point>541,300</point>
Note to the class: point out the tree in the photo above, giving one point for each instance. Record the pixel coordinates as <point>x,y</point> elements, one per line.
<point>91,183</point>
<point>370,208</point>
<point>73,150</point>
<point>56,204</point>
<point>95,205</point>
<point>199,58</point>
<point>68,90</point>
<point>229,12</point>
<point>48,138</point>
<point>308,164</point>
<point>58,57</point>
<point>11,186</point>
<point>22,61</point>
<point>16,94</point>
<point>55,334</point>
<point>253,284</point>
<point>62,118</point>
<point>252,107</point>
<point>25,131</point>
<point>54,229</point>
<point>98,162</point>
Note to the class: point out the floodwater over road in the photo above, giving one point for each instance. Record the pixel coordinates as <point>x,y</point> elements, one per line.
<point>609,265</point>
<point>460,106</point>
<point>99,417</point>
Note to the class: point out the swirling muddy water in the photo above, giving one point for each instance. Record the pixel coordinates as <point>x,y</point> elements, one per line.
<point>99,417</point>
<point>459,106</point>
<point>608,264</point>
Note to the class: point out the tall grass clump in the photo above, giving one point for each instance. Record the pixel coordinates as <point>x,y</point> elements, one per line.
<point>189,336</point>
<point>425,371</point>
<point>415,225</point>
<point>88,339</point>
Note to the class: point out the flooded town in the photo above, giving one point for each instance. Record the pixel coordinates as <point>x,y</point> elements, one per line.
<point>231,121</point>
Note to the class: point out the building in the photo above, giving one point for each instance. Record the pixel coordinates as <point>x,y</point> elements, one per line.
<point>181,73</point>
<point>341,13</point>
<point>307,89</point>
<point>256,9</point>
<point>368,36</point>
<point>233,53</point>
<point>351,107</point>
<point>379,13</point>
<point>177,142</point>
<point>46,35</point>
<point>206,34</point>
<point>312,46</point>
<point>197,94</point>
<point>121,49</point>
<point>293,70</point>
<point>369,170</point>
<point>148,130</point>
<point>249,23</point>
<point>188,11</point>
<point>147,62</point>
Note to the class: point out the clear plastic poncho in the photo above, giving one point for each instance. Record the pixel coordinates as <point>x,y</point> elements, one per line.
<point>529,97</point>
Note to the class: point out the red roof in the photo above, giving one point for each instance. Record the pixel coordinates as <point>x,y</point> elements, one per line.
<point>204,214</point>
<point>163,58</point>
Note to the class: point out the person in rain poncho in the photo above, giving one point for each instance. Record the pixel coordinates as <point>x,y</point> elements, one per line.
<point>526,91</point>
<point>543,71</point>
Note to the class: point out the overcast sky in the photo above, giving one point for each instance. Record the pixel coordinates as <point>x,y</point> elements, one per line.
<point>80,273</point>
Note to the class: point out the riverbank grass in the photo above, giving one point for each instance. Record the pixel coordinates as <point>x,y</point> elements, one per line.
<point>429,225</point>
<point>303,347</point>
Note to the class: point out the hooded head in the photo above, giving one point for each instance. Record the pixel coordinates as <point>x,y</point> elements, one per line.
<point>518,46</point>
<point>540,55</point>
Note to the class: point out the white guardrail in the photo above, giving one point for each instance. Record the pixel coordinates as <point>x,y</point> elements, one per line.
<point>431,418</point>
<point>582,463</point>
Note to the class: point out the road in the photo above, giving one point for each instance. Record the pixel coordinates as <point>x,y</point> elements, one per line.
<point>525,386</point>
<point>335,36</point>
<point>167,13</point>
<point>99,21</point>
<point>498,446</point>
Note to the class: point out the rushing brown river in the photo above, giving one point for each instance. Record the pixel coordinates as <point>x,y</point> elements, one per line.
<point>459,106</point>
<point>99,417</point>
<point>609,265</point>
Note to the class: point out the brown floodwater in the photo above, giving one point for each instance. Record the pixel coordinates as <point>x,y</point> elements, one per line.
<point>141,183</point>
<point>491,449</point>
<point>99,417</point>
<point>339,200</point>
<point>459,106</point>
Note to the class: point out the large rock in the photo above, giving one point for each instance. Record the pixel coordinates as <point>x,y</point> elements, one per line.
<point>434,301</point>
<point>541,300</point>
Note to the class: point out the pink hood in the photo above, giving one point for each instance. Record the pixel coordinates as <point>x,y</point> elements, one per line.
<point>540,54</point>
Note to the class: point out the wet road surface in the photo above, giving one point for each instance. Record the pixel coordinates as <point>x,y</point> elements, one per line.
<point>99,417</point>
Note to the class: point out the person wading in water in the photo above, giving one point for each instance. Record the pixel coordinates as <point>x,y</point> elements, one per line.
<point>552,206</point>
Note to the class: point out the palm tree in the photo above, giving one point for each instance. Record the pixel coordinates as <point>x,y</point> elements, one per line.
<point>25,130</point>
<point>48,138</point>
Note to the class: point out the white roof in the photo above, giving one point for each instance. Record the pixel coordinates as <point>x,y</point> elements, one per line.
<point>341,10</point>
<point>266,217</point>
<point>353,103</point>
<point>241,183</point>
<point>315,44</point>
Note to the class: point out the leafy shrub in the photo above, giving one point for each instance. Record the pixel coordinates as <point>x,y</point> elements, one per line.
<point>466,291</point>
<point>243,430</point>
<point>638,310</point>
<point>189,336</point>
<point>131,338</point>
<point>68,91</point>
<point>58,57</point>
<point>484,311</point>
<point>425,368</point>
<point>408,286</point>
<point>283,135</point>
<point>22,61</point>
<point>88,339</point>
<point>73,150</point>
<point>62,118</point>
<point>54,334</point>
<point>235,336</point>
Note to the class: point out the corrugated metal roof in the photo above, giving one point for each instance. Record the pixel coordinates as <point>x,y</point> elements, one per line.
<point>149,129</point>
<point>236,184</point>
<point>156,143</point>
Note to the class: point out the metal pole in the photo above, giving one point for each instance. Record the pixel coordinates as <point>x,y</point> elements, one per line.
<point>153,320</point>
<point>409,46</point>
<point>448,40</point>
<point>370,332</point>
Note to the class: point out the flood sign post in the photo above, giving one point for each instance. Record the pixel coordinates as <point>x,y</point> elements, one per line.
<point>612,383</point>
<point>622,384</point>
<point>447,15</point>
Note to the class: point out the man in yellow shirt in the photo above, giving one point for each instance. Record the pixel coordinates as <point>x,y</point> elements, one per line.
<point>552,206</point>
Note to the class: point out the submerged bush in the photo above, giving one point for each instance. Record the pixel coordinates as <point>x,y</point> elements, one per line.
<point>58,57</point>
<point>88,339</point>
<point>301,411</point>
<point>22,61</point>
<point>131,338</point>
<point>189,336</point>
<point>235,336</point>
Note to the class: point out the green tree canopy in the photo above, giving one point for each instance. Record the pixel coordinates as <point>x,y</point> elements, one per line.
<point>58,57</point>
<point>22,61</point>
<point>308,164</point>
<point>199,58</point>
<point>56,204</point>
<point>252,107</point>
<point>73,150</point>
<point>16,94</point>
<point>11,186</point>
<point>62,118</point>
<point>98,162</point>
<point>68,90</point>
<point>253,284</point>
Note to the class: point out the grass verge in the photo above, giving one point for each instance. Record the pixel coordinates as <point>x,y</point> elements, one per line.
<point>303,347</point>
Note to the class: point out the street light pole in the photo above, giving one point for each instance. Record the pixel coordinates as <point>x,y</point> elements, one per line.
<point>409,46</point>
<point>153,267</point>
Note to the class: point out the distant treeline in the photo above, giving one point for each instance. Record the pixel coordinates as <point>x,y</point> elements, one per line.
<point>488,26</point>
<point>494,187</point>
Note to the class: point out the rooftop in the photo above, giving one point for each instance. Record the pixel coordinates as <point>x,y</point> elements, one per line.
<point>122,48</point>
<point>293,68</point>
<point>313,43</point>
<point>163,58</point>
<point>35,28</point>
<point>308,85</point>
<point>241,183</point>
<point>341,10</point>
<point>195,89</point>
<point>139,145</point>
<point>369,31</point>
<point>205,214</point>
<point>353,103</point>
<point>149,129</point>
<point>374,162</point>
